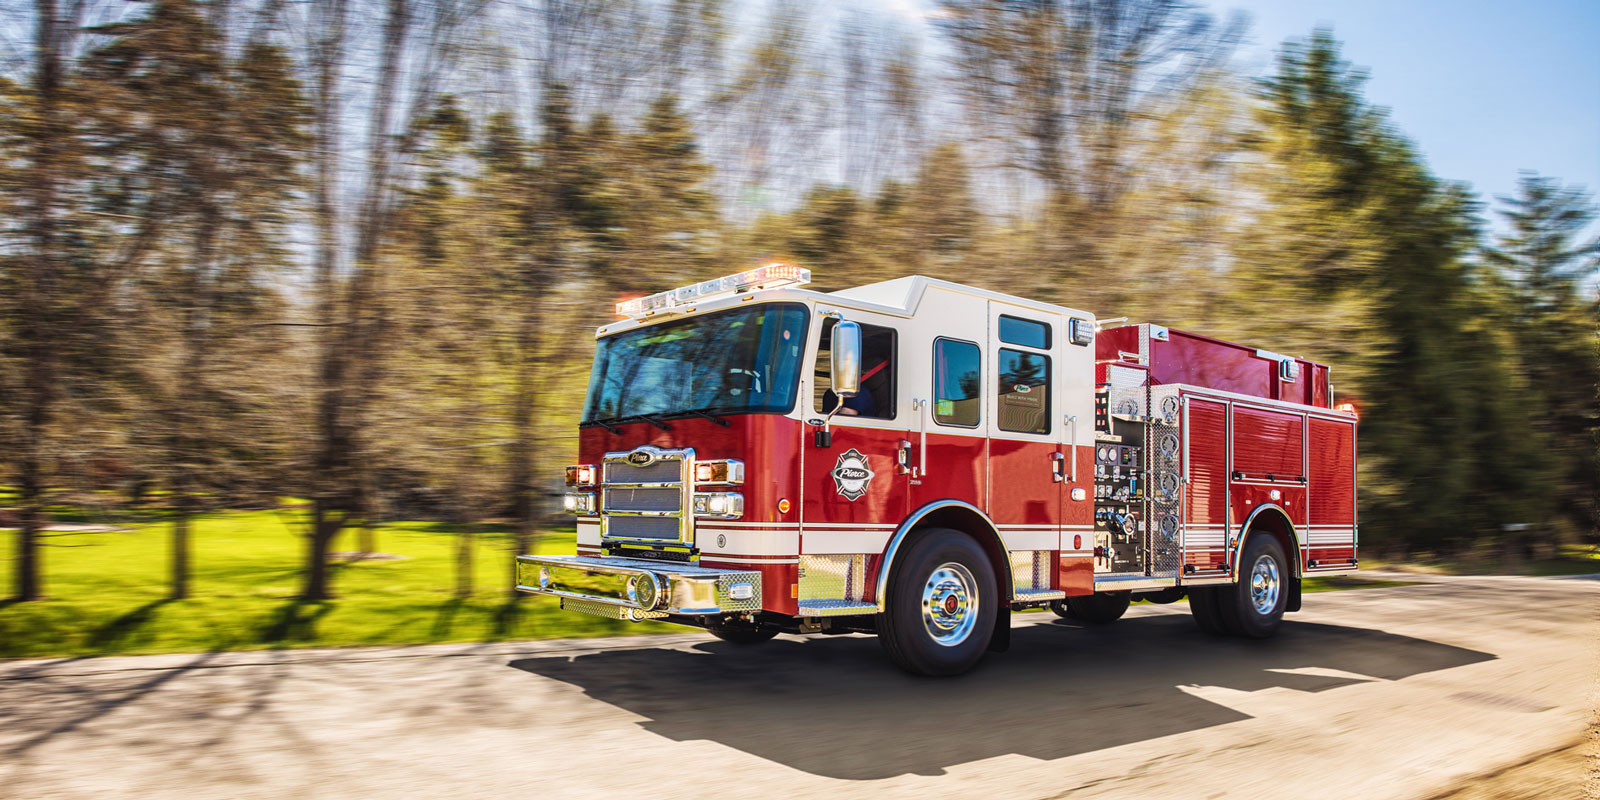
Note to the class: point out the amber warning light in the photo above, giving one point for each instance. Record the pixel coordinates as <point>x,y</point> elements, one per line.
<point>770,276</point>
<point>1348,408</point>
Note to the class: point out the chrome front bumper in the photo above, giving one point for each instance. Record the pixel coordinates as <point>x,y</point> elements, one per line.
<point>613,587</point>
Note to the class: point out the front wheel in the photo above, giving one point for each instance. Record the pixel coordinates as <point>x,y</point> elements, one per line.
<point>941,605</point>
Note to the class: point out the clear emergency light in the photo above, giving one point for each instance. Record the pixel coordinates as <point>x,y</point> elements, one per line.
<point>770,276</point>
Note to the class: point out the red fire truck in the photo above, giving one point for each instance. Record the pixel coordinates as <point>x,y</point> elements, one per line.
<point>917,459</point>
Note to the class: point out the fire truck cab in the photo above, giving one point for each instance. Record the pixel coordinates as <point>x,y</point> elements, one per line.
<point>917,459</point>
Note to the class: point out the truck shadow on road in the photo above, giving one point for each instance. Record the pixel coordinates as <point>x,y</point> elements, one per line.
<point>832,706</point>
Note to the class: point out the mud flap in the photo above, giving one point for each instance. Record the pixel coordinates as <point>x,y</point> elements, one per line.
<point>1001,640</point>
<point>1293,601</point>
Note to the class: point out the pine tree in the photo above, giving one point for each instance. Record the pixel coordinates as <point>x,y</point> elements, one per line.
<point>1367,256</point>
<point>1555,320</point>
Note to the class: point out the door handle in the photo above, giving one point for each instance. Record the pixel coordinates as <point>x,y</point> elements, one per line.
<point>902,458</point>
<point>1057,470</point>
<point>921,407</point>
<point>1072,446</point>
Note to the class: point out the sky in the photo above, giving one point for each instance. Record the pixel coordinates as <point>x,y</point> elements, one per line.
<point>1484,89</point>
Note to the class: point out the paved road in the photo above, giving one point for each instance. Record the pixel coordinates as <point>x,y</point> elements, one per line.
<point>1401,692</point>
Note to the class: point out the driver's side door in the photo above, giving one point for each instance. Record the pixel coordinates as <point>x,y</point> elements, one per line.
<point>852,495</point>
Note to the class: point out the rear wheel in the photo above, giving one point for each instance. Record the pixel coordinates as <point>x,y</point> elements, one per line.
<point>740,631</point>
<point>940,605</point>
<point>1061,609</point>
<point>1254,606</point>
<point>1100,608</point>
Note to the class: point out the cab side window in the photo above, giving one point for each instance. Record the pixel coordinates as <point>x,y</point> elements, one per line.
<point>1024,392</point>
<point>957,383</point>
<point>876,399</point>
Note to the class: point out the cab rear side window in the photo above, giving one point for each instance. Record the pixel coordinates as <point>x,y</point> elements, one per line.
<point>957,383</point>
<point>1024,392</point>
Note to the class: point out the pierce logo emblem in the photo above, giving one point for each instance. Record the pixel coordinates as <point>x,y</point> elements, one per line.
<point>641,458</point>
<point>852,475</point>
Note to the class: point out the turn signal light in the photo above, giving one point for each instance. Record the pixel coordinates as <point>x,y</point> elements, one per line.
<point>728,471</point>
<point>581,475</point>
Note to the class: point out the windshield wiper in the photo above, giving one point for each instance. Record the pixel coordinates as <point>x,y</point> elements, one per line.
<point>650,418</point>
<point>606,423</point>
<point>704,414</point>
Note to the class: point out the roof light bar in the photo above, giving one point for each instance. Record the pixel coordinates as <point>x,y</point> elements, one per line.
<point>770,276</point>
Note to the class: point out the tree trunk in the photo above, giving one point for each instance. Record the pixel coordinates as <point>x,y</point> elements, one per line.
<point>464,560</point>
<point>180,552</point>
<point>37,294</point>
<point>326,472</point>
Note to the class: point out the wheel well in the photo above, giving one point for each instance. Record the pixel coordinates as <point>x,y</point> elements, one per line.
<point>973,523</point>
<point>1273,522</point>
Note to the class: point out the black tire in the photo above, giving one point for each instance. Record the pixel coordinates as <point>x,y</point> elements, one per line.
<point>1061,609</point>
<point>740,632</point>
<point>1253,608</point>
<point>1100,608</point>
<point>944,583</point>
<point>1203,605</point>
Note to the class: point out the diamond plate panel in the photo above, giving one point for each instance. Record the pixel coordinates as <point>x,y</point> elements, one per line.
<point>726,582</point>
<point>1164,498</point>
<point>833,577</point>
<point>1030,570</point>
<point>607,610</point>
<point>1127,395</point>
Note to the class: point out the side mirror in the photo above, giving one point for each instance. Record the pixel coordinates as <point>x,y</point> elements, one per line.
<point>845,359</point>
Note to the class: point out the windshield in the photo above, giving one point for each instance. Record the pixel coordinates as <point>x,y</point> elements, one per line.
<point>734,361</point>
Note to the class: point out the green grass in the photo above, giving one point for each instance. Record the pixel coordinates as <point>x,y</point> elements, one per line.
<point>106,592</point>
<point>1570,559</point>
<point>1334,583</point>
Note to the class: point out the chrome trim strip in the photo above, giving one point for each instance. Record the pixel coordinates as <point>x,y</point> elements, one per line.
<point>910,523</point>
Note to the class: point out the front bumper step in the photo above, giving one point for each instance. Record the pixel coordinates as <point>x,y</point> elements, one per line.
<point>608,587</point>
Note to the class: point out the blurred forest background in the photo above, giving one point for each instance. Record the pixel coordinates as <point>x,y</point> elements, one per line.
<point>353,251</point>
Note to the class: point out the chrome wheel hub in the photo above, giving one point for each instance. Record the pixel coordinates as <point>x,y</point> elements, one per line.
<point>1264,584</point>
<point>950,604</point>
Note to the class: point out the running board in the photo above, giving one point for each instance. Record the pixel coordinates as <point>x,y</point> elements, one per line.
<point>835,608</point>
<point>1037,595</point>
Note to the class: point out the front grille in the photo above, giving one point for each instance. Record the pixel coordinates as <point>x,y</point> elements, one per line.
<point>661,528</point>
<point>668,498</point>
<point>663,471</point>
<point>646,502</point>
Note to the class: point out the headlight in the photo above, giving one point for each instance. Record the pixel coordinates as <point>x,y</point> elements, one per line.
<point>726,505</point>
<point>729,471</point>
<point>578,503</point>
<point>581,475</point>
